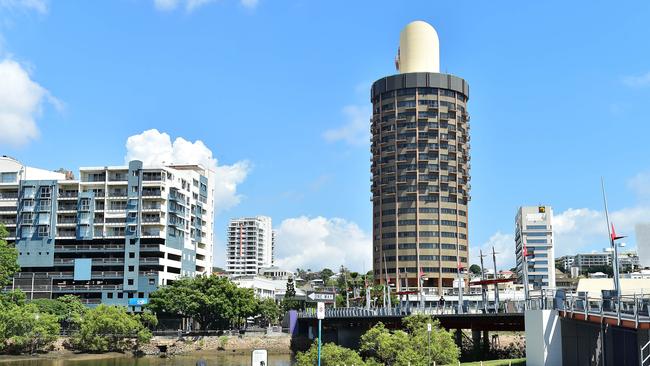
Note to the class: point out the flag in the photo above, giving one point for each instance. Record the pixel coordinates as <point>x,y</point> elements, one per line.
<point>421,272</point>
<point>525,251</point>
<point>614,237</point>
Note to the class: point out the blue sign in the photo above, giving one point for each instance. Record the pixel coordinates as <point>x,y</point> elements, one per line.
<point>138,302</point>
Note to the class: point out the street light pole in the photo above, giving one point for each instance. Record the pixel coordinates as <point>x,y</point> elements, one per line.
<point>496,285</point>
<point>612,238</point>
<point>483,286</point>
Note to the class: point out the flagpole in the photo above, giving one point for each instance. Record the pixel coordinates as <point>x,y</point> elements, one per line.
<point>617,285</point>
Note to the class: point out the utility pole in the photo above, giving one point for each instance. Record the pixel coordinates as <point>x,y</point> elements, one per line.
<point>496,284</point>
<point>483,286</point>
<point>612,240</point>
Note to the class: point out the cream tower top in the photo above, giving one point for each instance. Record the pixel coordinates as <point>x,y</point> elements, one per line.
<point>419,49</point>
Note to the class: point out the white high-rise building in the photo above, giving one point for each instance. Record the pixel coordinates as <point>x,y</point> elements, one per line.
<point>642,231</point>
<point>251,242</point>
<point>534,232</point>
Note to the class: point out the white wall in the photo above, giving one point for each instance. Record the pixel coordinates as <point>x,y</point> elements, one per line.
<point>543,338</point>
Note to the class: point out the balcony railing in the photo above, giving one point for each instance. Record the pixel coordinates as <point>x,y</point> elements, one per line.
<point>85,288</point>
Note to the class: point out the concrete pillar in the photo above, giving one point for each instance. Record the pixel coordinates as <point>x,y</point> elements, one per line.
<point>543,338</point>
<point>476,342</point>
<point>486,342</point>
<point>459,338</point>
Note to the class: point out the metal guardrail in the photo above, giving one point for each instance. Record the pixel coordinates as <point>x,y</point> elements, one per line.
<point>508,307</point>
<point>633,308</point>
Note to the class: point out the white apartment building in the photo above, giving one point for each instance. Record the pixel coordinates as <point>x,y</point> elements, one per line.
<point>534,231</point>
<point>251,242</point>
<point>112,236</point>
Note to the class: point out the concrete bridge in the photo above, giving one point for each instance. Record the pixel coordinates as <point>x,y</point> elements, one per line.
<point>345,326</point>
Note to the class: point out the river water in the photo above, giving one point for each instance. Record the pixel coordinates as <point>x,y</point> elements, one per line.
<point>211,359</point>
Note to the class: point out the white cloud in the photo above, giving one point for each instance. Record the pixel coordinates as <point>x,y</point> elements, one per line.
<point>640,184</point>
<point>504,245</point>
<point>165,5</point>
<point>251,4</point>
<point>638,80</point>
<point>39,6</point>
<point>21,101</point>
<point>191,5</point>
<point>153,147</point>
<point>320,242</point>
<point>356,130</point>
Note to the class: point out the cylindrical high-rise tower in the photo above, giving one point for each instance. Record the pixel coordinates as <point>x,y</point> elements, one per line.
<point>420,167</point>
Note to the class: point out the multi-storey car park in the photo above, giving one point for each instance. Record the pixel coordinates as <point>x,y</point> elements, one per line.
<point>114,235</point>
<point>420,168</point>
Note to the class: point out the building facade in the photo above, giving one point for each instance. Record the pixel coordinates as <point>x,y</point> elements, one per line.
<point>420,168</point>
<point>642,231</point>
<point>251,242</point>
<point>114,235</point>
<point>534,237</point>
<point>627,261</point>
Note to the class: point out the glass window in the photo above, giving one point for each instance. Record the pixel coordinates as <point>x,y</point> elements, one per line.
<point>8,177</point>
<point>45,192</point>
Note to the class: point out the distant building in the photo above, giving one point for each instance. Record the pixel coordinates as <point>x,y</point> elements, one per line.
<point>275,273</point>
<point>584,261</point>
<point>642,232</point>
<point>565,262</point>
<point>250,246</point>
<point>534,234</point>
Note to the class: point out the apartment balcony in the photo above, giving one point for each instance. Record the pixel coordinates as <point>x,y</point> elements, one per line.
<point>85,288</point>
<point>151,247</point>
<point>95,261</point>
<point>149,192</point>
<point>67,207</point>
<point>66,233</point>
<point>152,221</point>
<point>68,275</point>
<point>68,195</point>
<point>149,233</point>
<point>117,193</point>
<point>89,248</point>
<point>8,222</point>
<point>151,261</point>
<point>9,196</point>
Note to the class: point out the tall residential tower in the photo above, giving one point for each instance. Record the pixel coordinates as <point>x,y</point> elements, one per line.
<point>250,247</point>
<point>534,244</point>
<point>420,167</point>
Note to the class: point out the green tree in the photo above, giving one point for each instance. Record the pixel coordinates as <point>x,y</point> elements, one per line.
<point>210,300</point>
<point>11,298</point>
<point>331,355</point>
<point>25,329</point>
<point>289,302</point>
<point>411,346</point>
<point>269,311</point>
<point>110,328</point>
<point>8,258</point>
<point>325,274</point>
<point>68,310</point>
<point>475,269</point>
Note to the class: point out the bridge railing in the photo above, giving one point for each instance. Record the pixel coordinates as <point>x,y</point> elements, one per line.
<point>470,307</point>
<point>634,307</point>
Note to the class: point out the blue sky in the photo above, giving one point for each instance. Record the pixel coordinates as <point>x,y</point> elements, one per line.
<point>278,92</point>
